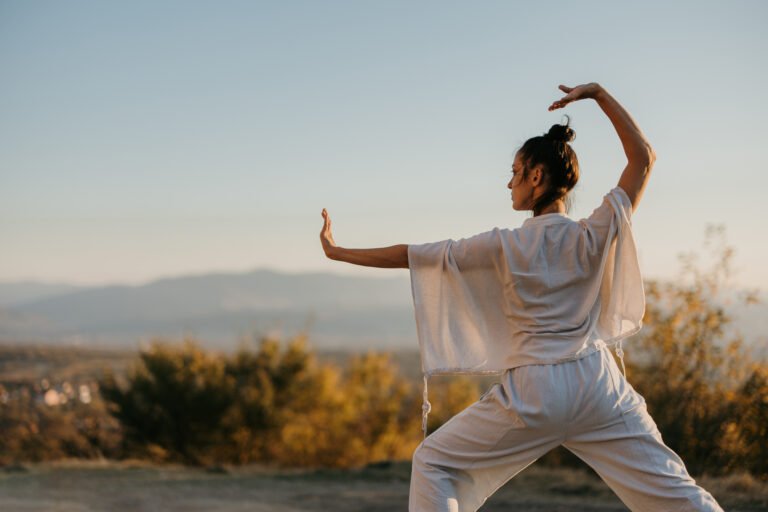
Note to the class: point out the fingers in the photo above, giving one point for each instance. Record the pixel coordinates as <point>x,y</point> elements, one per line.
<point>557,104</point>
<point>326,238</point>
<point>327,221</point>
<point>562,102</point>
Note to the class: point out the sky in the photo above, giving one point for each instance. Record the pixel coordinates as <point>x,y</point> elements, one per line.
<point>145,139</point>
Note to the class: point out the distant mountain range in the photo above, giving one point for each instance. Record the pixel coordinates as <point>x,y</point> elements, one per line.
<point>222,310</point>
<point>218,309</point>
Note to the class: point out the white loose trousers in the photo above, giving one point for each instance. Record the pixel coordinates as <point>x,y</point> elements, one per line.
<point>586,405</point>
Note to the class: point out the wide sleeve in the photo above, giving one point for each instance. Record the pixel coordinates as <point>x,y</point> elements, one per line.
<point>475,252</point>
<point>457,289</point>
<point>608,230</point>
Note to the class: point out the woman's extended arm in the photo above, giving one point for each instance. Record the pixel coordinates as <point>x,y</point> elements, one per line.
<point>640,154</point>
<point>395,256</point>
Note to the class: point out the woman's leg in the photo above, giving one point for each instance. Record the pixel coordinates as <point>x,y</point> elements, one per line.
<point>627,451</point>
<point>466,460</point>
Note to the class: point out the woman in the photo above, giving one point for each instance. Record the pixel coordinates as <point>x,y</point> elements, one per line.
<point>541,305</point>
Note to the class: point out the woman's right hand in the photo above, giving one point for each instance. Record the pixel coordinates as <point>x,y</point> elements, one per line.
<point>579,92</point>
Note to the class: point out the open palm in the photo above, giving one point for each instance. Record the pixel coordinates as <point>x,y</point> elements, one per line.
<point>579,92</point>
<point>326,237</point>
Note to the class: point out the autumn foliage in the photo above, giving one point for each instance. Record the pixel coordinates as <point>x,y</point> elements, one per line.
<point>276,405</point>
<point>707,393</point>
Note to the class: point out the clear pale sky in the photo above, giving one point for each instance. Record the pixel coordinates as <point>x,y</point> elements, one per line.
<point>146,139</point>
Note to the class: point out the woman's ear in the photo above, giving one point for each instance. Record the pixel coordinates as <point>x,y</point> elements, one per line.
<point>537,175</point>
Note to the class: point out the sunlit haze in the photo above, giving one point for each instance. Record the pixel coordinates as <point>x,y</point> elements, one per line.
<point>147,139</point>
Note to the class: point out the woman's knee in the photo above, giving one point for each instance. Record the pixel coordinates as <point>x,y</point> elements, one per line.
<point>422,456</point>
<point>430,462</point>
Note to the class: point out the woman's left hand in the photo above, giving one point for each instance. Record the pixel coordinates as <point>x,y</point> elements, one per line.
<point>326,237</point>
<point>580,92</point>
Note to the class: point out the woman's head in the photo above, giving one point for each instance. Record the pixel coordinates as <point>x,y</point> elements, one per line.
<point>544,171</point>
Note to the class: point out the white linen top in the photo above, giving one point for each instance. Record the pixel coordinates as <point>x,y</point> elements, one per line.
<point>552,290</point>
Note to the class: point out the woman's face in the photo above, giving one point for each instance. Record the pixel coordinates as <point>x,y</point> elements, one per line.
<point>522,188</point>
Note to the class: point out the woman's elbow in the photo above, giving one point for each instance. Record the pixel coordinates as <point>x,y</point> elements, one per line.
<point>648,155</point>
<point>643,157</point>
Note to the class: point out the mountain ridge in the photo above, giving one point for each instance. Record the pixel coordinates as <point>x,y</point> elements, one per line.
<point>336,311</point>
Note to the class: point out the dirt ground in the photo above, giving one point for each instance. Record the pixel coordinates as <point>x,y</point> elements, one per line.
<point>110,486</point>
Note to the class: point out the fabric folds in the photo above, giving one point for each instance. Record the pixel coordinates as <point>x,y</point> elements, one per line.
<point>542,293</point>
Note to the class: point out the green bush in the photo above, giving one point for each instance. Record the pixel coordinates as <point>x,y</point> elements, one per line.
<point>174,405</point>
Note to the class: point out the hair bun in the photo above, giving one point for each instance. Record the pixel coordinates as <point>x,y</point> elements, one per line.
<point>561,132</point>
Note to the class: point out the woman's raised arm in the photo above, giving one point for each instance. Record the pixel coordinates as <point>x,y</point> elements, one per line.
<point>640,154</point>
<point>395,256</point>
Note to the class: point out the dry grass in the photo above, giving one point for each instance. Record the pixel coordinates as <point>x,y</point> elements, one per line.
<point>138,485</point>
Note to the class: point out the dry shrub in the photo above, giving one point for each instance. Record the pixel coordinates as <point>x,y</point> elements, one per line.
<point>276,405</point>
<point>707,396</point>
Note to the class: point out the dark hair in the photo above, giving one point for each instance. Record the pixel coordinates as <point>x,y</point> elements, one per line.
<point>561,167</point>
